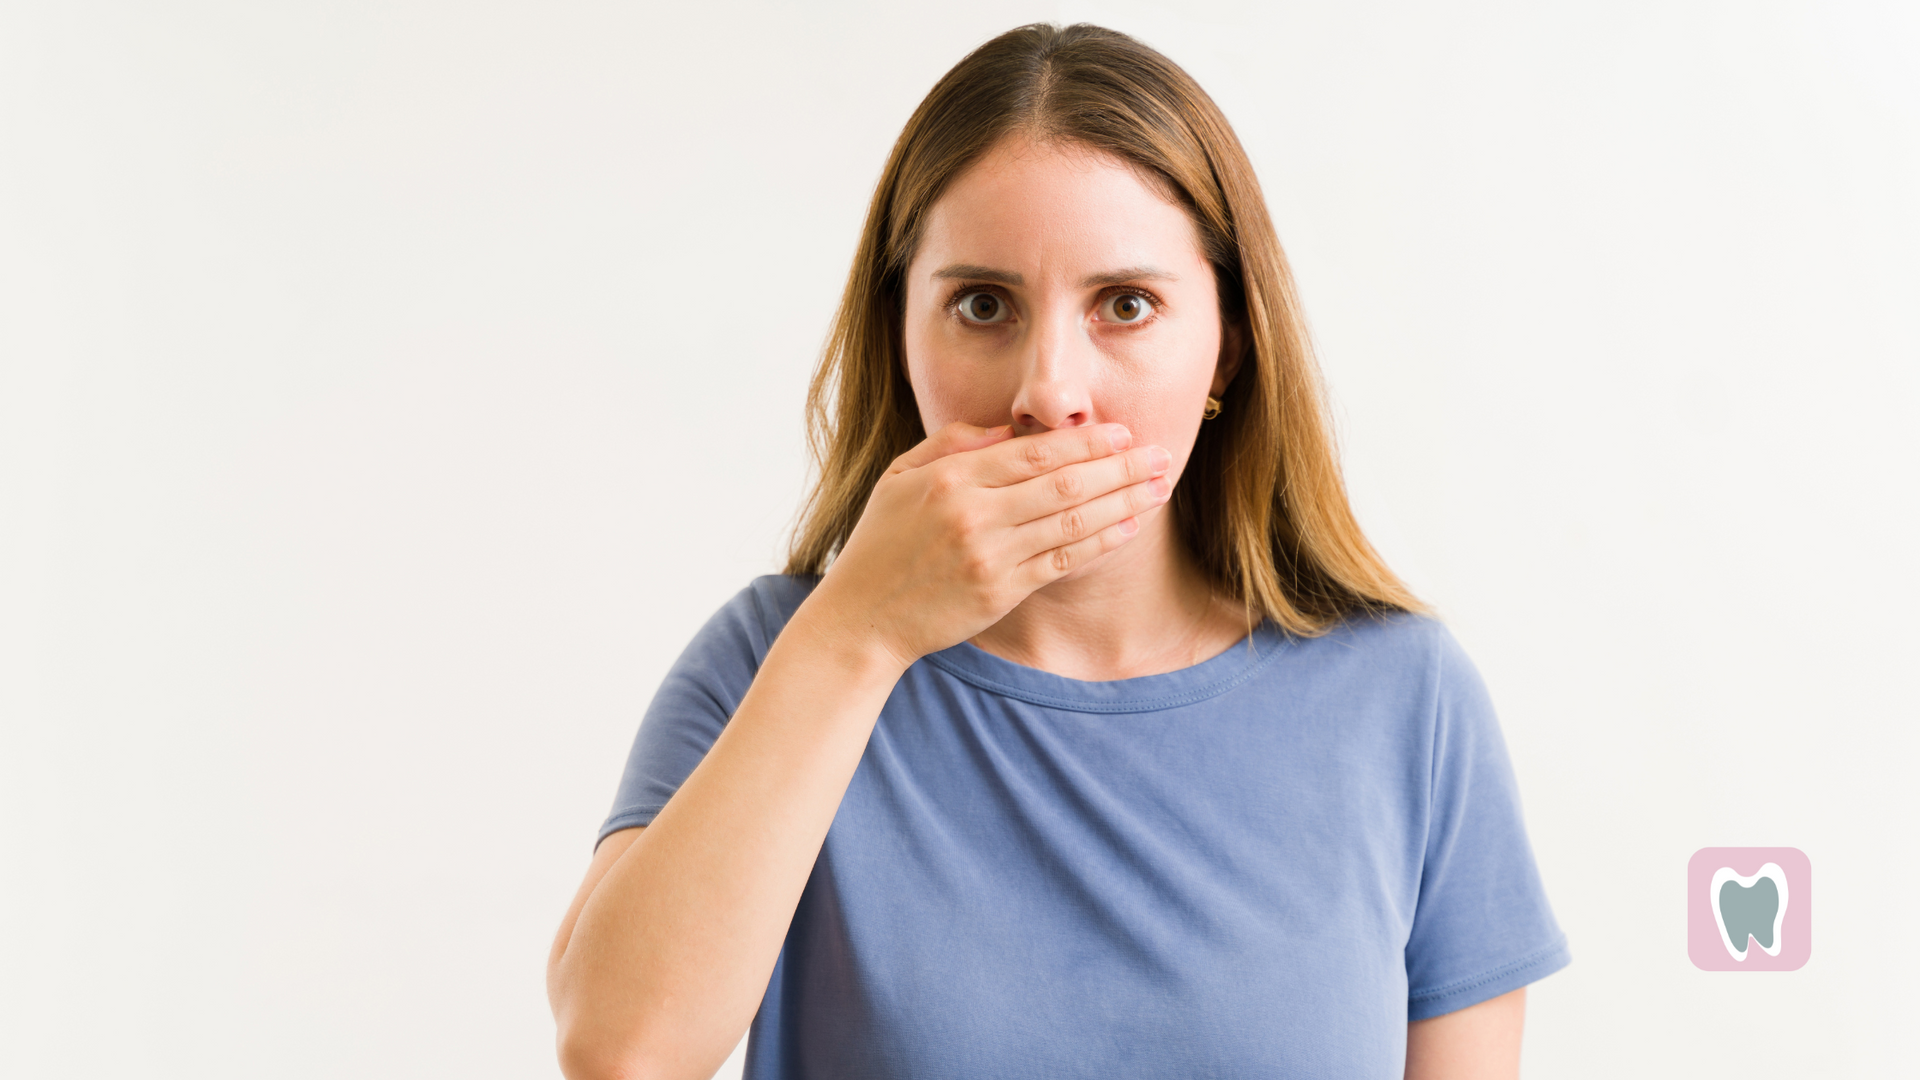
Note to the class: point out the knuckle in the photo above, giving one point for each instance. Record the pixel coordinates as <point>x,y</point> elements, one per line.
<point>1066,485</point>
<point>943,479</point>
<point>1062,559</point>
<point>966,522</point>
<point>977,567</point>
<point>1036,454</point>
<point>1073,526</point>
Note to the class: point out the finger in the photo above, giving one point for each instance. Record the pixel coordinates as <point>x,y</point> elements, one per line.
<point>1076,523</point>
<point>1024,458</point>
<point>1073,485</point>
<point>957,437</point>
<point>1051,565</point>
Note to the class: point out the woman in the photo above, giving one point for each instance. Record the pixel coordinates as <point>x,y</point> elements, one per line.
<point>1086,735</point>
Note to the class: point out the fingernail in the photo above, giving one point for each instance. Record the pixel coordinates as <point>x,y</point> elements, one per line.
<point>1120,437</point>
<point>1158,459</point>
<point>1160,486</point>
<point>1129,527</point>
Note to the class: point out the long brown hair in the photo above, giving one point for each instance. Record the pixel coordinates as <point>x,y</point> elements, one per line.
<point>1261,504</point>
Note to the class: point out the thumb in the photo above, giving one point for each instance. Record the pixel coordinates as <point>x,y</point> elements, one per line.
<point>956,438</point>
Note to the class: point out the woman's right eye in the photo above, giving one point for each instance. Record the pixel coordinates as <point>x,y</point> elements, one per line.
<point>983,307</point>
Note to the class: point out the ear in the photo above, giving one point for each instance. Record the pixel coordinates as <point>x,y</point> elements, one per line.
<point>1233,349</point>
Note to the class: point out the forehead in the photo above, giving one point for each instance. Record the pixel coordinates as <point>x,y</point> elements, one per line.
<point>1035,207</point>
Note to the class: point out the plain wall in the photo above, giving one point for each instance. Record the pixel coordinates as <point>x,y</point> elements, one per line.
<point>388,390</point>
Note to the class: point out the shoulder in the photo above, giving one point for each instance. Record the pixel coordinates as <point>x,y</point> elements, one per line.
<point>747,623</point>
<point>1408,665</point>
<point>1441,688</point>
<point>775,597</point>
<point>729,648</point>
<point>1404,642</point>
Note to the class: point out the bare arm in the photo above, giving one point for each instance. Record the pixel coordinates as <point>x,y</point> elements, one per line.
<point>666,954</point>
<point>1479,1042</point>
<point>672,948</point>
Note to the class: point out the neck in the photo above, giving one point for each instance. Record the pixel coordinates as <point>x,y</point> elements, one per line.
<point>1144,609</point>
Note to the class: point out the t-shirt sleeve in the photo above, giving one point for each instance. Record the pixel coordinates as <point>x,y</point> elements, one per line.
<point>699,695</point>
<point>1481,925</point>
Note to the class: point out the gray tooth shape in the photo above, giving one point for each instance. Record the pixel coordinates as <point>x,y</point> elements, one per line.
<point>1749,910</point>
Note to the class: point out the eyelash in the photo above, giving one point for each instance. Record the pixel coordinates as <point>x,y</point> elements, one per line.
<point>954,298</point>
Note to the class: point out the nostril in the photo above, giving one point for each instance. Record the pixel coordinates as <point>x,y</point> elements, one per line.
<point>1029,421</point>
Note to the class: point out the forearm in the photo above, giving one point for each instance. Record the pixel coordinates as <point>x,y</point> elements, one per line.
<point>670,954</point>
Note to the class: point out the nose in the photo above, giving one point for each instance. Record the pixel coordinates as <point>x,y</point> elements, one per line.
<point>1054,370</point>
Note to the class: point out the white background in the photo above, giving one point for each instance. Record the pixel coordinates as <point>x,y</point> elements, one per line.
<point>388,390</point>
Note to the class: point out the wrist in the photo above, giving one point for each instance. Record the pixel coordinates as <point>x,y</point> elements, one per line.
<point>845,632</point>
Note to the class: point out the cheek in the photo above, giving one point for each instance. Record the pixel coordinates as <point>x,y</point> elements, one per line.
<point>1158,390</point>
<point>951,384</point>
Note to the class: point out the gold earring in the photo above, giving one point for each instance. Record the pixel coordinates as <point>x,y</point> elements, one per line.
<point>1212,410</point>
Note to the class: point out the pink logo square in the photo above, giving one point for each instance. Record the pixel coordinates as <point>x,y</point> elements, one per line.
<point>1749,908</point>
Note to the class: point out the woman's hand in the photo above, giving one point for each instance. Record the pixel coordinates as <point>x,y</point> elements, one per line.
<point>967,524</point>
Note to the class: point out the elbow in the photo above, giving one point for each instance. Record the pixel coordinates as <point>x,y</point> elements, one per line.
<point>584,1058</point>
<point>589,1044</point>
<point>596,1042</point>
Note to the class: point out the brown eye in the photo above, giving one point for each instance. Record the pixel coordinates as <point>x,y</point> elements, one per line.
<point>1126,308</point>
<point>983,307</point>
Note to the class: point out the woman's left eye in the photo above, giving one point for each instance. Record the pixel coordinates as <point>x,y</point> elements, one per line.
<point>1125,308</point>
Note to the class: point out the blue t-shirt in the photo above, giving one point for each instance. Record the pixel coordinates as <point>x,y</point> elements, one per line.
<point>1263,865</point>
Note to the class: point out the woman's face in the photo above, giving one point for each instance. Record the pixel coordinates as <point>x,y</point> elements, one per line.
<point>1053,288</point>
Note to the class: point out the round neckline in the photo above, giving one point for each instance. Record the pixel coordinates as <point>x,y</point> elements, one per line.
<point>1144,693</point>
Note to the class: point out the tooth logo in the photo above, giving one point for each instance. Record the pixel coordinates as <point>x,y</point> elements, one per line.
<point>1749,909</point>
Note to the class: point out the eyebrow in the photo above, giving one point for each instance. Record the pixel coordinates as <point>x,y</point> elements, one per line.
<point>1130,273</point>
<point>972,272</point>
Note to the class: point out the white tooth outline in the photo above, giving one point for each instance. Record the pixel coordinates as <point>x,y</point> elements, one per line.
<point>1726,874</point>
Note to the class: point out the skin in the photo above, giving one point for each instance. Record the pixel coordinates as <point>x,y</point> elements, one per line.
<point>1479,1042</point>
<point>1061,333</point>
